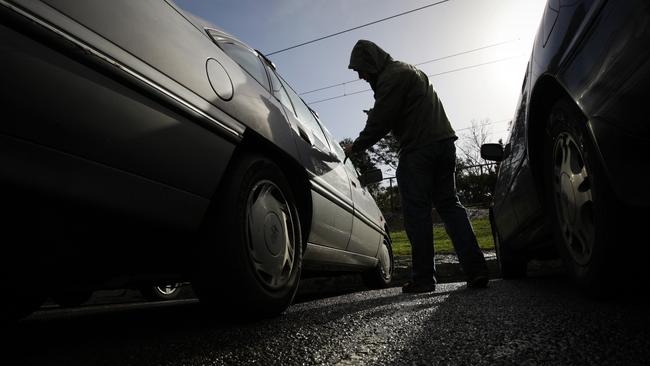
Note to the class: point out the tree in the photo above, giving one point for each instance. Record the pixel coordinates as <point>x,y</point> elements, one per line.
<point>475,178</point>
<point>470,145</point>
<point>387,197</point>
<point>385,152</point>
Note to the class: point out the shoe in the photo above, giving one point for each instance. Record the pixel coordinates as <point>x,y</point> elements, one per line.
<point>418,287</point>
<point>478,281</point>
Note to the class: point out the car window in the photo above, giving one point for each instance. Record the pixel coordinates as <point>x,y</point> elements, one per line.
<point>306,118</point>
<point>278,90</point>
<point>248,60</point>
<point>336,148</point>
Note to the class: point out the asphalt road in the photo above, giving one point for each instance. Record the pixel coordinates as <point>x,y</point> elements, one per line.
<point>540,320</point>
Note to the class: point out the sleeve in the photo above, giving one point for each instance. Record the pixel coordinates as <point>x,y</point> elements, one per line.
<point>388,105</point>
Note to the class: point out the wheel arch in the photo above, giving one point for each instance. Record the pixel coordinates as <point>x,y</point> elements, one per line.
<point>545,94</point>
<point>291,168</point>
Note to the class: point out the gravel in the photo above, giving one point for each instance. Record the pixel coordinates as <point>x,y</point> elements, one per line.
<point>541,320</point>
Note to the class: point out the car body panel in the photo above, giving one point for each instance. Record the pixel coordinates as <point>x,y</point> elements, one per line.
<point>182,68</point>
<point>324,258</point>
<point>604,65</point>
<point>128,147</point>
<point>608,74</point>
<point>331,197</point>
<point>113,127</point>
<point>594,52</point>
<point>366,212</point>
<point>102,51</point>
<point>332,220</point>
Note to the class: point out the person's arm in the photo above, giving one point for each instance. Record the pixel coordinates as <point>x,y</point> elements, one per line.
<point>389,99</point>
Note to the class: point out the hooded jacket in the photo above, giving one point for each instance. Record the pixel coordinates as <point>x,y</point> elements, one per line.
<point>405,102</point>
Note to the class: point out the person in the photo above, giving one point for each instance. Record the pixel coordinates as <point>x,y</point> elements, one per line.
<point>407,105</point>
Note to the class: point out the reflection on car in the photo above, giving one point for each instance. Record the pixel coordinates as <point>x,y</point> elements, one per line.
<point>140,145</point>
<point>568,176</point>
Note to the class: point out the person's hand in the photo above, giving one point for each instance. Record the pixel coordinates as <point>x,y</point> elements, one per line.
<point>348,151</point>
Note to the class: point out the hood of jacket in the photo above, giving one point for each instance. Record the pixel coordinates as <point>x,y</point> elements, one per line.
<point>368,57</point>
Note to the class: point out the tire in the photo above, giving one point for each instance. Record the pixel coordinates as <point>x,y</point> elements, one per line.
<point>251,258</point>
<point>382,275</point>
<point>71,299</point>
<point>579,198</point>
<point>512,265</point>
<point>162,292</point>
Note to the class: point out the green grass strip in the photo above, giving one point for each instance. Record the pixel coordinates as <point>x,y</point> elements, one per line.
<point>441,242</point>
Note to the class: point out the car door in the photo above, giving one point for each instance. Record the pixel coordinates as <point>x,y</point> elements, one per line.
<point>523,196</point>
<point>366,231</point>
<point>504,214</point>
<point>331,196</point>
<point>513,202</point>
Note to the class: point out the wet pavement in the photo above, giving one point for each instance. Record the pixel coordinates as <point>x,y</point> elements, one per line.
<point>539,320</point>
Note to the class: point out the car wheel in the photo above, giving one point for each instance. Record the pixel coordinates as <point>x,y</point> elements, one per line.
<point>382,275</point>
<point>71,298</point>
<point>253,243</point>
<point>162,292</point>
<point>579,198</point>
<point>512,265</point>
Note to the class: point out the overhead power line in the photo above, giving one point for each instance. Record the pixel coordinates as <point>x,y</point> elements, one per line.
<point>357,27</point>
<point>418,64</point>
<point>430,75</point>
<point>484,124</point>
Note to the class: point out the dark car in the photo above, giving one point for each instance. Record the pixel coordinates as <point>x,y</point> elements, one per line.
<point>570,175</point>
<point>140,146</point>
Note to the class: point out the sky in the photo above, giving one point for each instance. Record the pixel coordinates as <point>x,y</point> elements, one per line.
<point>491,41</point>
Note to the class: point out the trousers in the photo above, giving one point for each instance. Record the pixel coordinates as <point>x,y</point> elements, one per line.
<point>426,179</point>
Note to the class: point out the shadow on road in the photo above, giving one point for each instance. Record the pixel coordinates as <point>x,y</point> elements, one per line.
<point>542,319</point>
<point>539,318</point>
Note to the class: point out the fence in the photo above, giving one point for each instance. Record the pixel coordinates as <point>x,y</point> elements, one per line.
<point>484,170</point>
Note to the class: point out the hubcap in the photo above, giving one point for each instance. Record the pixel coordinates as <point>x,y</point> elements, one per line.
<point>572,195</point>
<point>167,289</point>
<point>271,235</point>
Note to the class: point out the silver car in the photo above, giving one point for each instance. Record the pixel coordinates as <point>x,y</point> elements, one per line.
<point>139,145</point>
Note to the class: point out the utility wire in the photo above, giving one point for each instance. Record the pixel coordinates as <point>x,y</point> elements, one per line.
<point>484,124</point>
<point>357,27</point>
<point>430,75</point>
<point>421,63</point>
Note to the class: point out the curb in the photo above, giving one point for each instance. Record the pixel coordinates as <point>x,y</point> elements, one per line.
<point>447,267</point>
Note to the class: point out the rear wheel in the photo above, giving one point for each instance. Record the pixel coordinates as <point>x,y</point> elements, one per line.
<point>251,258</point>
<point>382,275</point>
<point>579,197</point>
<point>161,292</point>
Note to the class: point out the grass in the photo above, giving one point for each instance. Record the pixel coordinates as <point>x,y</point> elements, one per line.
<point>441,242</point>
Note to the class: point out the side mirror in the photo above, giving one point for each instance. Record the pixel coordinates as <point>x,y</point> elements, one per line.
<point>370,177</point>
<point>493,152</point>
